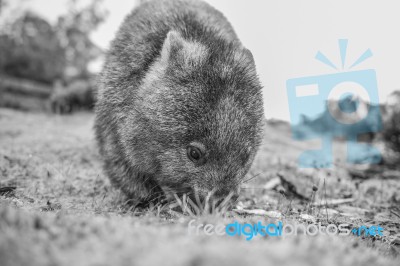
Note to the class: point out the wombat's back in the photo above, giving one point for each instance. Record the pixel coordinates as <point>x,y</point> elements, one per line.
<point>140,38</point>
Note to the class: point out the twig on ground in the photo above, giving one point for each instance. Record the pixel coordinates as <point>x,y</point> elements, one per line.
<point>334,202</point>
<point>395,213</point>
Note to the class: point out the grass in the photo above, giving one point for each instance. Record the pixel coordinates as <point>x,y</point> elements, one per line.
<point>65,212</point>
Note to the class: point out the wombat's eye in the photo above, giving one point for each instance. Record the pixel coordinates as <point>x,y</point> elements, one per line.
<point>194,154</point>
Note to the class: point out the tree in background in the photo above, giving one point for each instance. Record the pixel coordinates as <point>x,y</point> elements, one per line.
<point>31,48</point>
<point>74,30</point>
<point>2,5</point>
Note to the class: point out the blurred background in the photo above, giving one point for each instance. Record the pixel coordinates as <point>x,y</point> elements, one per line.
<point>51,51</point>
<point>45,61</point>
<point>50,47</point>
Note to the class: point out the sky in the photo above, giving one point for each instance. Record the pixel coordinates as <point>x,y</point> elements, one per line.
<point>284,37</point>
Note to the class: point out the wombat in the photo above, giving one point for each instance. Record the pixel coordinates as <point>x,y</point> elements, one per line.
<point>179,106</point>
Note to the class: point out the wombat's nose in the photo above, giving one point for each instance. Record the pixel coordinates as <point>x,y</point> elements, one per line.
<point>224,193</point>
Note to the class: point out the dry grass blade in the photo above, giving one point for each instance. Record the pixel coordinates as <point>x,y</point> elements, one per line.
<point>225,203</point>
<point>251,178</point>
<point>207,203</point>
<point>194,206</point>
<point>198,201</point>
<point>183,204</point>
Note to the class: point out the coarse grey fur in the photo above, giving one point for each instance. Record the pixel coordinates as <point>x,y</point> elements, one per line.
<point>177,75</point>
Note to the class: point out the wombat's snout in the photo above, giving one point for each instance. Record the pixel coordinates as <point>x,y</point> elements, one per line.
<point>220,195</point>
<point>223,193</point>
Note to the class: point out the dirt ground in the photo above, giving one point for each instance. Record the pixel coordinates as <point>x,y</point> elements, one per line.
<point>63,210</point>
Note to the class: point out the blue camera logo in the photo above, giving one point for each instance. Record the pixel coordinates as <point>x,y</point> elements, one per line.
<point>339,105</point>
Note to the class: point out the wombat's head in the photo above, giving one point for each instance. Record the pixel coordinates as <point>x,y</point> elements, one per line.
<point>200,109</point>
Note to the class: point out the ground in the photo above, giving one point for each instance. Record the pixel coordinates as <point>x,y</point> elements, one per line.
<point>65,212</point>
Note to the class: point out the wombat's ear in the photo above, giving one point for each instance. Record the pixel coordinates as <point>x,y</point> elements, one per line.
<point>249,55</point>
<point>177,49</point>
<point>172,44</point>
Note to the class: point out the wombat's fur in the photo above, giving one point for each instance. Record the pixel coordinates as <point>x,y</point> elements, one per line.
<point>176,83</point>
